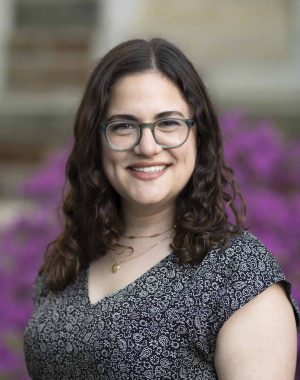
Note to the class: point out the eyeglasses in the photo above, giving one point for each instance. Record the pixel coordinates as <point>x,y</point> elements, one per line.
<point>126,135</point>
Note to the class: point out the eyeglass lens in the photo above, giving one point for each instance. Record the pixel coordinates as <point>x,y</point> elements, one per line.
<point>124,135</point>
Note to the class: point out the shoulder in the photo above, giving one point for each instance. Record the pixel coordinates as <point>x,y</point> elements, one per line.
<point>246,258</point>
<point>40,288</point>
<point>245,245</point>
<point>259,338</point>
<point>240,273</point>
<point>256,313</point>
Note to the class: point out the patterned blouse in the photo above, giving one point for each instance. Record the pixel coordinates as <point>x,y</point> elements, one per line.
<point>164,325</point>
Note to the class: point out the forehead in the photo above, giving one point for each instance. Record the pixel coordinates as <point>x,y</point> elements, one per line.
<point>146,93</point>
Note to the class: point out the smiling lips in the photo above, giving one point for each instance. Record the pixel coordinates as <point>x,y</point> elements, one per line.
<point>148,167</point>
<point>148,173</point>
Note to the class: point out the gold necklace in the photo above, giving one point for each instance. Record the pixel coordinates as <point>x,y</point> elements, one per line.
<point>116,266</point>
<point>151,236</point>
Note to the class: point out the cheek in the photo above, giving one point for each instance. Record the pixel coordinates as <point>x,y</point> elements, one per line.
<point>112,162</point>
<point>189,161</point>
<point>190,153</point>
<point>107,159</point>
<point>104,158</point>
<point>108,165</point>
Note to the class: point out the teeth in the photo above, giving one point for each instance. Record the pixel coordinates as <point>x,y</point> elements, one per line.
<point>151,169</point>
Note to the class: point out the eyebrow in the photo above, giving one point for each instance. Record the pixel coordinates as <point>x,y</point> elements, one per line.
<point>160,115</point>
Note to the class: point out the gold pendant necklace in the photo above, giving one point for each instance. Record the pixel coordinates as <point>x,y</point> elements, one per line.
<point>150,236</point>
<point>116,266</point>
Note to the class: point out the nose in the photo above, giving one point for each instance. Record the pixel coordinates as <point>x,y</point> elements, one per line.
<point>147,145</point>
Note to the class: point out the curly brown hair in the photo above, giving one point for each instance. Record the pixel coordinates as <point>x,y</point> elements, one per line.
<point>93,220</point>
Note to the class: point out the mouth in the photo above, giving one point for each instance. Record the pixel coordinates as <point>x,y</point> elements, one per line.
<point>150,169</point>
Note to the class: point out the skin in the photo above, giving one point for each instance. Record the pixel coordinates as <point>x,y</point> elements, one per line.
<point>148,205</point>
<point>258,342</point>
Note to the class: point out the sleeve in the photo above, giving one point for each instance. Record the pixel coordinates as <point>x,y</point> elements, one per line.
<point>249,269</point>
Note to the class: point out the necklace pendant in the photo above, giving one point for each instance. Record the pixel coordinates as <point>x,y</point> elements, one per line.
<point>115,268</point>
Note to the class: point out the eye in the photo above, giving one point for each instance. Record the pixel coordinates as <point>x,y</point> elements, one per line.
<point>122,128</point>
<point>168,123</point>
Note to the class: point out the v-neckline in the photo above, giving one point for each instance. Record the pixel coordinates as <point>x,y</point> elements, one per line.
<point>124,288</point>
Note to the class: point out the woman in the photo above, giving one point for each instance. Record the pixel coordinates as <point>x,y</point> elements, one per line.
<point>148,279</point>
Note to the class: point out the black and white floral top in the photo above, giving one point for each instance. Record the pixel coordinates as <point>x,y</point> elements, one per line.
<point>164,325</point>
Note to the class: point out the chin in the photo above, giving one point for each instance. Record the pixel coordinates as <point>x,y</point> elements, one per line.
<point>148,200</point>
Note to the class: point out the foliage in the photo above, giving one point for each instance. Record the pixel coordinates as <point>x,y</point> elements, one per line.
<point>266,166</point>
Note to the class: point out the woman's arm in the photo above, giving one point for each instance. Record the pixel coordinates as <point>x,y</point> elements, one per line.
<point>259,341</point>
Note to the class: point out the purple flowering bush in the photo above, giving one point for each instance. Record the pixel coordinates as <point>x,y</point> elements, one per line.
<point>267,169</point>
<point>23,243</point>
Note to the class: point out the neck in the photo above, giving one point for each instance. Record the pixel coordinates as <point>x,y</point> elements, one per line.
<point>147,221</point>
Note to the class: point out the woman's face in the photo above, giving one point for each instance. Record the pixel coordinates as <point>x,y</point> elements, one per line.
<point>144,96</point>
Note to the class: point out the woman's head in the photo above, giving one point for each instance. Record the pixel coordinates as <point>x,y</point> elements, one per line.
<point>97,173</point>
<point>148,97</point>
<point>124,63</point>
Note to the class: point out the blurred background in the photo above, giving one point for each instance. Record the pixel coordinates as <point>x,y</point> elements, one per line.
<point>248,54</point>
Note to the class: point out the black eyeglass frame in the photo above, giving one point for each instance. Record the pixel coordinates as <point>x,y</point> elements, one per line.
<point>104,126</point>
